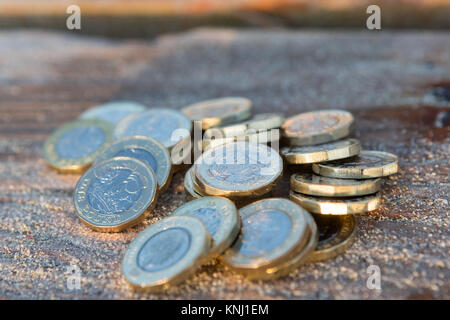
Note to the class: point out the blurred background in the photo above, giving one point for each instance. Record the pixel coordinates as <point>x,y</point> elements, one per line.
<point>148,18</point>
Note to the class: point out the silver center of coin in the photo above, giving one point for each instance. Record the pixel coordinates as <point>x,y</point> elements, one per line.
<point>159,127</point>
<point>139,154</point>
<point>115,191</point>
<point>263,231</point>
<point>164,249</point>
<point>80,142</point>
<point>211,218</point>
<point>313,124</point>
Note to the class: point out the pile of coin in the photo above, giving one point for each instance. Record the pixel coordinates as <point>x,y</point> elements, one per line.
<point>130,153</point>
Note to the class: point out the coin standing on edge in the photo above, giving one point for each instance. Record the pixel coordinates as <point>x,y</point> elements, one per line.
<point>73,147</point>
<point>219,112</point>
<point>314,185</point>
<point>220,217</point>
<point>338,206</point>
<point>115,194</point>
<point>322,152</point>
<point>113,111</point>
<point>169,127</point>
<point>238,169</point>
<point>368,164</point>
<point>166,253</point>
<point>148,150</point>
<point>191,193</point>
<point>272,230</point>
<point>317,127</point>
<point>337,234</point>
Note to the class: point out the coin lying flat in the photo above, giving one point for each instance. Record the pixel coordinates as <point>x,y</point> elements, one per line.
<point>220,217</point>
<point>219,112</point>
<point>166,253</point>
<point>238,169</point>
<point>314,185</point>
<point>113,111</point>
<point>115,194</point>
<point>327,205</point>
<point>322,152</point>
<point>191,194</point>
<point>74,146</point>
<point>259,122</point>
<point>148,150</point>
<point>368,164</point>
<point>317,127</point>
<point>272,230</point>
<point>167,126</point>
<point>264,137</point>
<point>337,234</point>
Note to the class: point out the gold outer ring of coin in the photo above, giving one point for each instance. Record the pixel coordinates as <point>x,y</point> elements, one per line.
<point>113,222</point>
<point>179,270</point>
<point>331,248</point>
<point>300,258</point>
<point>337,206</point>
<point>79,165</point>
<point>218,112</point>
<point>235,260</point>
<point>229,224</point>
<point>359,172</point>
<point>303,136</point>
<point>155,148</point>
<point>259,123</point>
<point>308,183</point>
<point>324,152</point>
<point>263,137</point>
<point>206,187</point>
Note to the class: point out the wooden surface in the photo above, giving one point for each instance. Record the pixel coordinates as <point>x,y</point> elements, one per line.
<point>385,78</point>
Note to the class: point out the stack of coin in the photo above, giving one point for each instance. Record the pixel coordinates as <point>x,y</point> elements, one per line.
<point>240,171</point>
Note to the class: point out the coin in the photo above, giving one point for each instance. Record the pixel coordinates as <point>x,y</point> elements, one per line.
<point>337,234</point>
<point>218,112</point>
<point>74,146</point>
<point>322,152</point>
<point>191,194</point>
<point>148,150</point>
<point>112,111</point>
<point>314,185</point>
<point>317,127</point>
<point>264,137</point>
<point>238,169</point>
<point>169,127</point>
<point>260,122</point>
<point>220,217</point>
<point>166,253</point>
<point>368,164</point>
<point>272,230</point>
<point>328,205</point>
<point>115,194</point>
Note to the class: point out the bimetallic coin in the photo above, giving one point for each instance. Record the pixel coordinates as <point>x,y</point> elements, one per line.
<point>238,169</point>
<point>314,185</point>
<point>115,194</point>
<point>272,230</point>
<point>264,137</point>
<point>166,253</point>
<point>337,234</point>
<point>317,127</point>
<point>191,193</point>
<point>260,122</point>
<point>368,164</point>
<point>148,150</point>
<point>74,146</point>
<point>220,217</point>
<point>219,112</point>
<point>326,205</point>
<point>169,127</point>
<point>322,152</point>
<point>113,111</point>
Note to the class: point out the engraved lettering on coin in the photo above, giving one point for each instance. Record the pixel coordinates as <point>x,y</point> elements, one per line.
<point>80,142</point>
<point>264,231</point>
<point>139,154</point>
<point>115,191</point>
<point>164,249</point>
<point>211,218</point>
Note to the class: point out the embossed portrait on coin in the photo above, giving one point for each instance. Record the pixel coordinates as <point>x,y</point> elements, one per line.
<point>114,191</point>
